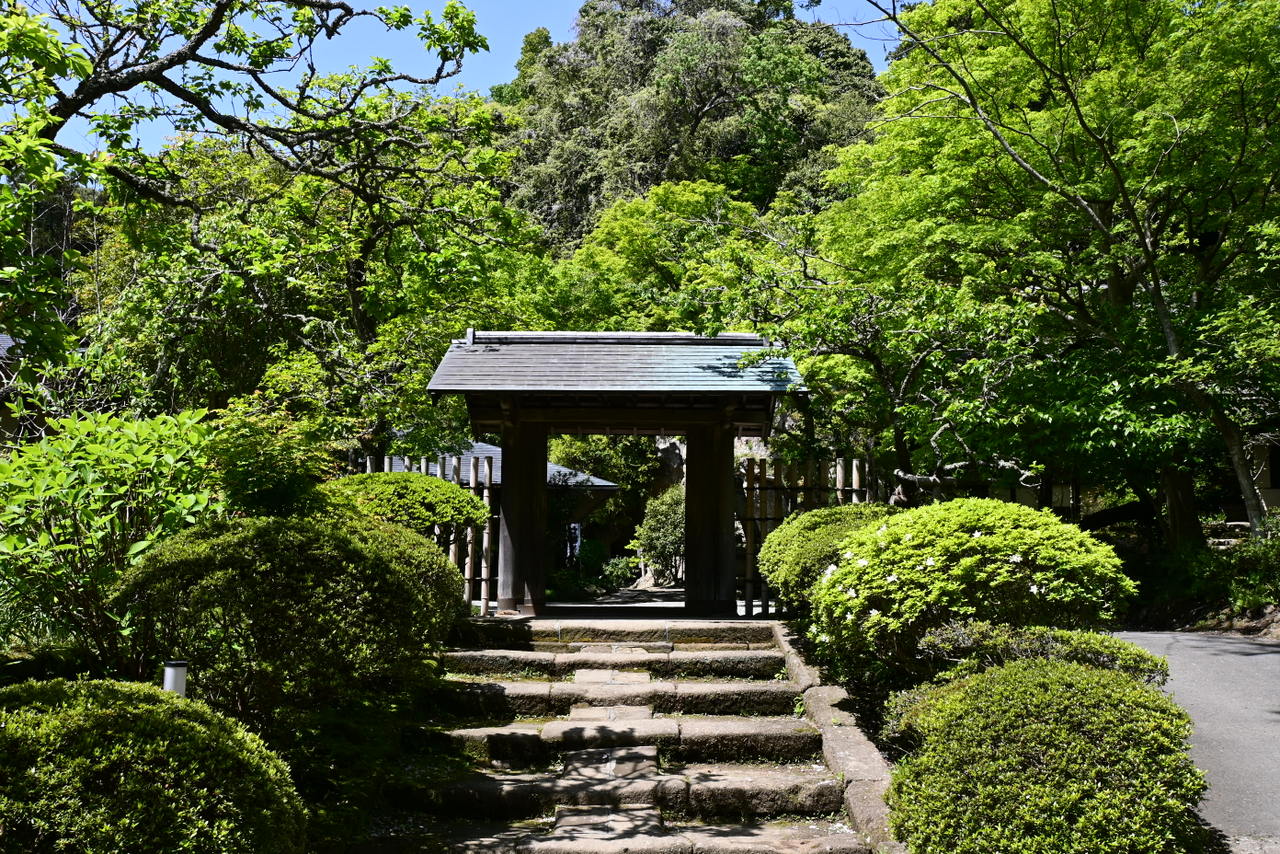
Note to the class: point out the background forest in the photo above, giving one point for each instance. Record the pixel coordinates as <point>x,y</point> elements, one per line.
<point>1041,249</point>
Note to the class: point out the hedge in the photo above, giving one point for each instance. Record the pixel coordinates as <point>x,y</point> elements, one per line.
<point>964,559</point>
<point>418,502</point>
<point>118,768</point>
<point>1046,757</point>
<point>795,553</point>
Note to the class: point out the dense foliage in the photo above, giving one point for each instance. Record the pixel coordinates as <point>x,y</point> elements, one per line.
<point>418,502</point>
<point>117,768</point>
<point>741,93</point>
<point>1046,757</point>
<point>796,553</point>
<point>268,610</point>
<point>964,648</point>
<point>970,558</point>
<point>80,507</point>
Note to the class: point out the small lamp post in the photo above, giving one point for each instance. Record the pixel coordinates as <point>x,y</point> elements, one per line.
<point>175,677</point>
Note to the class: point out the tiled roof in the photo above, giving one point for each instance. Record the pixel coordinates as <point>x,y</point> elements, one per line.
<point>674,362</point>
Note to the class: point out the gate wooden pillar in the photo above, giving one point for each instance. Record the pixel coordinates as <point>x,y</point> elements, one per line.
<point>521,574</point>
<point>709,505</point>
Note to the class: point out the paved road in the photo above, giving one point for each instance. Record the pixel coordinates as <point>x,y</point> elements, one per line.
<point>1231,688</point>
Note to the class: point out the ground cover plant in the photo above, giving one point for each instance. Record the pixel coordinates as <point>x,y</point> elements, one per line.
<point>794,555</point>
<point>963,559</point>
<point>117,768</point>
<point>1045,757</point>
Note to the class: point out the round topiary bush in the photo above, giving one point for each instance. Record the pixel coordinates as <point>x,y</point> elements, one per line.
<point>970,558</point>
<point>119,768</point>
<point>1046,757</point>
<point>416,501</point>
<point>964,648</point>
<point>281,614</point>
<point>795,553</point>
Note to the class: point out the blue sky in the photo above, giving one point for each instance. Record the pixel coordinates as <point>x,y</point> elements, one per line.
<point>505,23</point>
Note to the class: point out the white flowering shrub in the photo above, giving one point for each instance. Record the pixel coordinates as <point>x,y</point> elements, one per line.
<point>795,553</point>
<point>972,558</point>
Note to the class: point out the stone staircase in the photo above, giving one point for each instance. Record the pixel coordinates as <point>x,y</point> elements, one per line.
<point>597,736</point>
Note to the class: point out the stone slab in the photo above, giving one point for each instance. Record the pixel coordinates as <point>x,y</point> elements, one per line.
<point>742,664</point>
<point>748,738</point>
<point>610,713</point>
<point>728,790</point>
<point>730,698</point>
<point>603,821</point>
<point>865,806</point>
<point>575,735</point>
<point>612,763</point>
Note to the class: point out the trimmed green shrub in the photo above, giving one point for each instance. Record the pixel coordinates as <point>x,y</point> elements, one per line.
<point>1046,757</point>
<point>659,541</point>
<point>418,502</point>
<point>118,768</point>
<point>280,614</point>
<point>795,553</point>
<point>964,648</point>
<point>970,558</point>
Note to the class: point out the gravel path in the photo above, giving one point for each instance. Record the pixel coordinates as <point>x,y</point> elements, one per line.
<point>1230,685</point>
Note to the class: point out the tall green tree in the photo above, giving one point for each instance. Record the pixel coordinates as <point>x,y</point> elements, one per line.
<point>653,91</point>
<point>228,67</point>
<point>1111,165</point>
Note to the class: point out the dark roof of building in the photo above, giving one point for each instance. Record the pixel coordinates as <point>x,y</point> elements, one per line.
<point>612,362</point>
<point>556,475</point>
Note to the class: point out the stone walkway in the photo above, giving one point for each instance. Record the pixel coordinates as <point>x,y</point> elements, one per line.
<point>1230,685</point>
<point>666,735</point>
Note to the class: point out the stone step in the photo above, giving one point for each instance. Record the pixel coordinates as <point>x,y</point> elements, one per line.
<point>735,664</point>
<point>630,776</point>
<point>549,699</point>
<point>685,738</point>
<point>641,830</point>
<point>524,632</point>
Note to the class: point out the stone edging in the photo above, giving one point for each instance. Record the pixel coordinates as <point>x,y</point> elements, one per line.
<point>845,747</point>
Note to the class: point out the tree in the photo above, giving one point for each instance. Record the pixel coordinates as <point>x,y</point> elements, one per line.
<point>1110,165</point>
<point>739,93</point>
<point>201,67</point>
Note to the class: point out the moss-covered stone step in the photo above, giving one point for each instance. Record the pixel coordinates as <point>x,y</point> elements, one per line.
<point>524,633</point>
<point>533,698</point>
<point>682,738</point>
<point>729,664</point>
<point>641,830</point>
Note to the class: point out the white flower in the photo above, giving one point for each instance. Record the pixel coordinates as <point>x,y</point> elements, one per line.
<point>1015,558</point>
<point>1035,589</point>
<point>851,593</point>
<point>977,533</point>
<point>891,578</point>
<point>862,561</point>
<point>883,529</point>
<point>850,617</point>
<point>906,538</point>
<point>928,561</point>
<point>874,612</point>
<point>829,571</point>
<point>849,555</point>
<point>824,638</point>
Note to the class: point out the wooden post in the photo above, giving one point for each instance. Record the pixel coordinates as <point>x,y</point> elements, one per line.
<point>473,531</point>
<point>840,480</point>
<point>709,509</point>
<point>521,582</point>
<point>749,534</point>
<point>486,555</point>
<point>858,495</point>
<point>422,465</point>
<point>458,534</point>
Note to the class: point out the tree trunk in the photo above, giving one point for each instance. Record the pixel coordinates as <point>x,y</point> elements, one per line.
<point>1254,505</point>
<point>1182,522</point>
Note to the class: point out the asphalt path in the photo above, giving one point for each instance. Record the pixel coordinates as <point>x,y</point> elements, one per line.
<point>1230,686</point>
